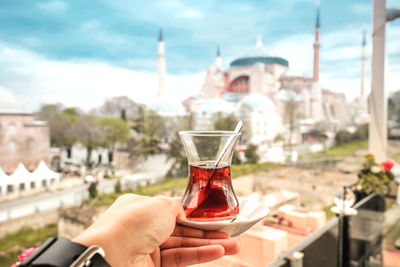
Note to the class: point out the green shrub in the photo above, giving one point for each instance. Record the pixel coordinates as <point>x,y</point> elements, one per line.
<point>343,137</point>
<point>93,190</point>
<point>361,133</point>
<point>117,187</point>
<point>14,244</point>
<point>251,154</point>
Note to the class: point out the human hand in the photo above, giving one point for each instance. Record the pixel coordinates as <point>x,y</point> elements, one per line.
<point>142,231</point>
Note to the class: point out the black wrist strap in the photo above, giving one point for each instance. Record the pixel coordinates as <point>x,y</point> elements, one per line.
<point>61,252</point>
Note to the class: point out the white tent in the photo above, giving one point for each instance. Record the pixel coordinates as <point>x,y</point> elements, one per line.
<point>3,182</point>
<point>20,178</point>
<point>43,173</point>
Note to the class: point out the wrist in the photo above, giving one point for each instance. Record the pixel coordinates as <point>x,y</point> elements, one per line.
<point>64,252</point>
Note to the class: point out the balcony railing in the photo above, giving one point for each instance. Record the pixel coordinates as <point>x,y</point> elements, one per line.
<point>349,240</point>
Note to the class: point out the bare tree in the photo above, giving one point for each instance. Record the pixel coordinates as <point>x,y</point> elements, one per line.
<point>89,133</point>
<point>119,107</point>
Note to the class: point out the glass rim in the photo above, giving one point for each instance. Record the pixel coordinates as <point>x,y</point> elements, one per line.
<point>208,133</point>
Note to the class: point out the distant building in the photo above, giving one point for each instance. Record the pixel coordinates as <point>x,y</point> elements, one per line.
<point>23,140</point>
<point>259,89</point>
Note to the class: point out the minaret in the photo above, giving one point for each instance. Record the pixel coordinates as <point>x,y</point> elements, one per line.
<point>317,110</point>
<point>218,60</point>
<point>161,66</point>
<point>317,46</point>
<point>362,112</point>
<point>259,43</point>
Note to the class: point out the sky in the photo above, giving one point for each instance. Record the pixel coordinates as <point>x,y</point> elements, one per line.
<point>79,53</point>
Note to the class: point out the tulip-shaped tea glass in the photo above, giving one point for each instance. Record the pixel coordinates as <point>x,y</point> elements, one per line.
<point>209,195</point>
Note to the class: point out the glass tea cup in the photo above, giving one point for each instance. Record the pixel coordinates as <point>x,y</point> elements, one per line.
<point>209,195</point>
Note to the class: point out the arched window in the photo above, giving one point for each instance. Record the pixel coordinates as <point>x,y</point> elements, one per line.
<point>13,146</point>
<point>239,85</point>
<point>30,145</point>
<point>11,128</point>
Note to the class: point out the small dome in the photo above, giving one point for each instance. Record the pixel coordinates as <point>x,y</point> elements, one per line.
<point>215,105</point>
<point>257,102</point>
<point>167,107</point>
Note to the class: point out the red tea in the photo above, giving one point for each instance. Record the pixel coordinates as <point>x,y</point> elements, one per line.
<point>209,194</point>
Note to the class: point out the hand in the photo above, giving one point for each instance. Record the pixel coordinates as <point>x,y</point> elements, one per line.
<point>142,231</point>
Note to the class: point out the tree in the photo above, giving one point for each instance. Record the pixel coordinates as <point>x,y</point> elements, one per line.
<point>279,137</point>
<point>176,151</point>
<point>117,187</point>
<point>93,190</point>
<point>119,107</point>
<point>225,122</point>
<point>115,131</point>
<point>61,124</point>
<point>343,137</point>
<point>72,115</point>
<point>394,106</point>
<point>89,133</point>
<point>361,133</point>
<point>149,128</point>
<point>251,154</point>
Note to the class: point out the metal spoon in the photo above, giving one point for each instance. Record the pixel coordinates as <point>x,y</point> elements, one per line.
<point>228,143</point>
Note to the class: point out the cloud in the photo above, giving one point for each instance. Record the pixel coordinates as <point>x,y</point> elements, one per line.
<point>36,80</point>
<point>298,50</point>
<point>55,6</point>
<point>8,102</point>
<point>192,14</point>
<point>362,8</point>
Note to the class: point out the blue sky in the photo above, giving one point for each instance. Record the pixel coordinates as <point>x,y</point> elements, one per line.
<point>81,52</point>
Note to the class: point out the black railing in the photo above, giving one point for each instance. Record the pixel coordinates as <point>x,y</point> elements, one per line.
<point>346,240</point>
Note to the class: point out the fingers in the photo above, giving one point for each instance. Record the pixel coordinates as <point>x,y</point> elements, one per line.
<point>191,232</point>
<point>231,246</point>
<point>175,204</point>
<point>187,256</point>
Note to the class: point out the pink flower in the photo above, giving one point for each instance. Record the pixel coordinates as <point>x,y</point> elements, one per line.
<point>387,164</point>
<point>24,255</point>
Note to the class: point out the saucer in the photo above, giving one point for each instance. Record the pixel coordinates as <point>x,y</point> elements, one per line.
<point>250,212</point>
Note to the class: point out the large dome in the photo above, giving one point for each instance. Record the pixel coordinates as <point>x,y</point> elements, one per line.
<point>256,102</point>
<point>249,61</point>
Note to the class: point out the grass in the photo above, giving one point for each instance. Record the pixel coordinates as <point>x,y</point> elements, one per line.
<point>151,190</point>
<point>14,244</point>
<point>248,168</point>
<point>345,150</point>
<point>175,183</point>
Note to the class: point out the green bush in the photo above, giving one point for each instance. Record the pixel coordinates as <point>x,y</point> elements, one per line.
<point>14,244</point>
<point>361,133</point>
<point>117,187</point>
<point>343,137</point>
<point>251,154</point>
<point>93,190</point>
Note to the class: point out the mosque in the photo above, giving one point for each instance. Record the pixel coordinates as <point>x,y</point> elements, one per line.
<point>259,90</point>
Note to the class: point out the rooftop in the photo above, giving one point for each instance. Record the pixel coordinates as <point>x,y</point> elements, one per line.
<point>249,61</point>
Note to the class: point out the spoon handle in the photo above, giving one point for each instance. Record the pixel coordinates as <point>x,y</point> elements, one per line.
<point>228,143</point>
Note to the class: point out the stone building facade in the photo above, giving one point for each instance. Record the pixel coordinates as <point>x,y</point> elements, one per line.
<point>23,139</point>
